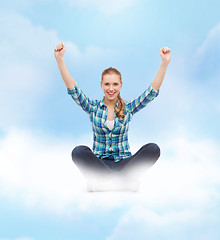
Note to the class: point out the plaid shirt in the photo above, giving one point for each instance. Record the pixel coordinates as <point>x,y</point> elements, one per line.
<point>113,142</point>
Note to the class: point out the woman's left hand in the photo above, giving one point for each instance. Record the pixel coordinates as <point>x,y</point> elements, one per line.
<point>165,55</point>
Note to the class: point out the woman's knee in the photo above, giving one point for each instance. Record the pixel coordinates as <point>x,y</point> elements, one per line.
<point>78,150</point>
<point>153,148</point>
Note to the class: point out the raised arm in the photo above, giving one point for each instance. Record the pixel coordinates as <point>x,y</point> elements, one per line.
<point>67,78</point>
<point>165,56</point>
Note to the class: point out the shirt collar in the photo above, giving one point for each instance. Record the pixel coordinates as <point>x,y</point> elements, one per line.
<point>103,104</point>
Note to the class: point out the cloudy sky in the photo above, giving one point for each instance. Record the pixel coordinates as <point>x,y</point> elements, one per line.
<point>42,194</point>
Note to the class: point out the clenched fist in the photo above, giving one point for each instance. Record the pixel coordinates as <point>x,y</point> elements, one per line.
<point>165,54</point>
<point>59,51</point>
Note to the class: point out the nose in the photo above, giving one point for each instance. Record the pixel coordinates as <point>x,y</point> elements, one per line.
<point>111,87</point>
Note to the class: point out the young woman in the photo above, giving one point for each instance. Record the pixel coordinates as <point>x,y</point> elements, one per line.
<point>111,156</point>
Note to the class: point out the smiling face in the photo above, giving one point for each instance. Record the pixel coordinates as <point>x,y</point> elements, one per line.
<point>111,85</point>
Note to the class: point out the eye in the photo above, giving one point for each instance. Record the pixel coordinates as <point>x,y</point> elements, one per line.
<point>106,84</point>
<point>116,84</point>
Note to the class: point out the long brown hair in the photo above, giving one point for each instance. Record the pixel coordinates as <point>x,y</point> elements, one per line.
<point>121,104</point>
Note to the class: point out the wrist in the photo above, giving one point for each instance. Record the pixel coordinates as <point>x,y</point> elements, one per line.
<point>164,64</point>
<point>59,60</point>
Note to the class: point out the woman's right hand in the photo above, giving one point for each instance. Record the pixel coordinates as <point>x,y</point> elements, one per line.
<point>59,51</point>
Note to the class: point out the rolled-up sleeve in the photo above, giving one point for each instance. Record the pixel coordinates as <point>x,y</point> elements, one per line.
<point>140,102</point>
<point>81,99</point>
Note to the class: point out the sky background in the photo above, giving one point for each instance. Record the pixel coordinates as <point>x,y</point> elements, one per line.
<point>42,193</point>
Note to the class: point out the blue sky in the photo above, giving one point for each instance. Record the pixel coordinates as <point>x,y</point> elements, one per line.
<point>42,194</point>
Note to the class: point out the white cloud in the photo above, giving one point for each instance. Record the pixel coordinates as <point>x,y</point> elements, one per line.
<point>141,223</point>
<point>188,176</point>
<point>28,67</point>
<point>25,65</point>
<point>203,61</point>
<point>179,196</point>
<point>211,42</point>
<point>90,56</point>
<point>20,238</point>
<point>107,7</point>
<point>23,5</point>
<point>37,170</point>
<point>203,66</point>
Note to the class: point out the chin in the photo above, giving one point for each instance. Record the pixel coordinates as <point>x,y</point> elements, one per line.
<point>111,99</point>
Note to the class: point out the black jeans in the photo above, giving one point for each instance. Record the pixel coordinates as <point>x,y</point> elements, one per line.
<point>132,167</point>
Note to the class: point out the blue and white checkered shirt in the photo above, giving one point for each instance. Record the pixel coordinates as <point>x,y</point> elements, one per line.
<point>113,142</point>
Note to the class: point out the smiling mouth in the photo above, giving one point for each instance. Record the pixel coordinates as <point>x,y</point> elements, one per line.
<point>111,94</point>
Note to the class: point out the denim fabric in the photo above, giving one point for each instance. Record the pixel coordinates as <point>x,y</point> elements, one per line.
<point>93,167</point>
